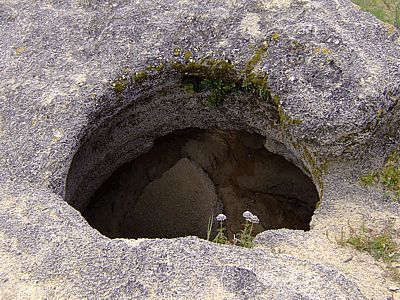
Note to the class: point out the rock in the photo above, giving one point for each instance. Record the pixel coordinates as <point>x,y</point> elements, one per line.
<point>250,140</point>
<point>200,154</point>
<point>216,144</point>
<point>180,203</point>
<point>91,88</point>
<point>275,176</point>
<point>276,207</point>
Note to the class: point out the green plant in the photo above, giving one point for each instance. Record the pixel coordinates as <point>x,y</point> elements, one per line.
<point>386,10</point>
<point>382,245</point>
<point>370,178</point>
<point>189,87</point>
<point>244,238</point>
<point>218,76</point>
<point>388,174</point>
<point>249,88</point>
<point>218,90</point>
<point>209,227</point>
<point>391,173</point>
<point>220,238</point>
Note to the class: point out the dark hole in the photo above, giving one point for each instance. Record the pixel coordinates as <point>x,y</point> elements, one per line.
<point>191,174</point>
<point>192,83</point>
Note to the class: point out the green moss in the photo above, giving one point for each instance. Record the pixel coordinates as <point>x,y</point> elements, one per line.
<point>140,77</point>
<point>323,50</point>
<point>225,76</point>
<point>189,88</point>
<point>192,67</point>
<point>317,204</point>
<point>285,118</point>
<point>177,66</point>
<point>120,84</point>
<point>259,80</point>
<point>188,55</point>
<point>208,69</point>
<point>325,166</point>
<point>277,100</point>
<point>160,67</point>
<point>316,170</point>
<point>118,87</point>
<point>221,76</point>
<point>255,59</point>
<point>275,36</point>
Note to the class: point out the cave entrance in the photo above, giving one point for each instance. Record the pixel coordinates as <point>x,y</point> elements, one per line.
<point>189,175</point>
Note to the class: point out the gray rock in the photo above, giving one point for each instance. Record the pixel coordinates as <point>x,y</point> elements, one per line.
<point>199,153</point>
<point>68,119</point>
<point>180,203</point>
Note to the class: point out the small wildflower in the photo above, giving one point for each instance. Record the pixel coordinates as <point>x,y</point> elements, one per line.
<point>221,217</point>
<point>244,238</point>
<point>221,238</point>
<point>247,215</point>
<point>254,219</point>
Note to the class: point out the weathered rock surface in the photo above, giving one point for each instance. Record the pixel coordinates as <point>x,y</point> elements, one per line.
<point>69,118</point>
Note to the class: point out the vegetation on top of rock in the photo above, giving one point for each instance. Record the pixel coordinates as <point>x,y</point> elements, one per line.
<point>386,10</point>
<point>218,76</point>
<point>388,175</point>
<point>382,245</point>
<point>218,90</point>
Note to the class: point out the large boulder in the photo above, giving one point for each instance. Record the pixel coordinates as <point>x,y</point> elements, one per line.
<point>165,209</point>
<point>88,85</point>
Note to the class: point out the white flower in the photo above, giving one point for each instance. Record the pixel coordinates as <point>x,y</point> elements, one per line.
<point>221,217</point>
<point>254,219</point>
<point>247,215</point>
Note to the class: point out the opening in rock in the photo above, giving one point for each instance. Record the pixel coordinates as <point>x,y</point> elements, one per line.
<point>191,174</point>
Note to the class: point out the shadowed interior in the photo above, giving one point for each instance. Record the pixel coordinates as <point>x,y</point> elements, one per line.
<point>191,174</point>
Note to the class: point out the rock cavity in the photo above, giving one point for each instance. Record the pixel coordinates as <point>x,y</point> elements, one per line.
<point>191,174</point>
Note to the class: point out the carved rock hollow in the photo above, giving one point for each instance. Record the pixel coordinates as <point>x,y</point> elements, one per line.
<point>87,86</point>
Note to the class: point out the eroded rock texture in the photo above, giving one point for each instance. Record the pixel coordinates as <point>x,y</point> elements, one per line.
<point>87,86</point>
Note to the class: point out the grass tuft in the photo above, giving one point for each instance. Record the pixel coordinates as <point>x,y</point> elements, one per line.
<point>386,10</point>
<point>381,245</point>
<point>388,174</point>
